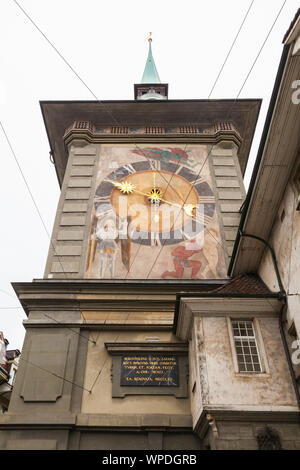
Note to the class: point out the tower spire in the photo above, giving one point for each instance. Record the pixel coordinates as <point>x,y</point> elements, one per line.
<point>150,87</point>
<point>150,74</point>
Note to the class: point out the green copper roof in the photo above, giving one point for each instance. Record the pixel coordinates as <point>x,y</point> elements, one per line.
<point>150,74</point>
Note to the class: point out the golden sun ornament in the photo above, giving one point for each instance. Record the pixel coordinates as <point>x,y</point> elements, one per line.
<point>155,196</point>
<point>189,209</point>
<point>125,187</point>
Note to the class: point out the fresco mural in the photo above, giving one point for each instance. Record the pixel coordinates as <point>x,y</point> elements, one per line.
<point>154,215</point>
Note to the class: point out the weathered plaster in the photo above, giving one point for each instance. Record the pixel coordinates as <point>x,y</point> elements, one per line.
<point>285,239</point>
<point>227,387</point>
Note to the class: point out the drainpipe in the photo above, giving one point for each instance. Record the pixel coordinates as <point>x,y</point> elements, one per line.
<point>287,353</point>
<point>282,292</point>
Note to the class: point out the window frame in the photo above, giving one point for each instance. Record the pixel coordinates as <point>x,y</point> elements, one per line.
<point>259,345</point>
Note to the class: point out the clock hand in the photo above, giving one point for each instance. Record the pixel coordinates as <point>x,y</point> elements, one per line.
<point>125,187</point>
<point>187,208</point>
<point>128,188</point>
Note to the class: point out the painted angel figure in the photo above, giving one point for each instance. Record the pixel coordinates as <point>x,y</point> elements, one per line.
<point>108,235</point>
<point>107,247</point>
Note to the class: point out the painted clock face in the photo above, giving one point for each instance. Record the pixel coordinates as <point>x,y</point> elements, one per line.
<point>151,189</point>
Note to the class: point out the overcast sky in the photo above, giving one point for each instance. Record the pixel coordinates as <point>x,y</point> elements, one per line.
<point>106,43</point>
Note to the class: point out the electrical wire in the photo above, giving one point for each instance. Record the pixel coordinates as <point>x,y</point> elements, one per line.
<point>199,173</point>
<point>262,46</point>
<point>106,360</point>
<point>52,373</point>
<point>71,329</point>
<point>230,49</point>
<point>7,293</point>
<point>9,308</point>
<point>21,358</point>
<point>83,82</point>
<point>107,109</point>
<point>215,82</point>
<point>35,205</point>
<point>244,83</point>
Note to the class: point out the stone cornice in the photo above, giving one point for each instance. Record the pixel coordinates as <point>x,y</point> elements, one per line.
<point>59,115</point>
<point>86,132</point>
<point>83,325</point>
<point>98,422</point>
<point>222,306</point>
<point>174,347</point>
<point>245,413</point>
<point>88,295</point>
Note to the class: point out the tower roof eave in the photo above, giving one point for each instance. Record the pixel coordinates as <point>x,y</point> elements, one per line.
<point>58,115</point>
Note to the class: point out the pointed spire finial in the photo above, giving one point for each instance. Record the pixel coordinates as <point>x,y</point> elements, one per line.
<point>150,87</point>
<point>150,74</point>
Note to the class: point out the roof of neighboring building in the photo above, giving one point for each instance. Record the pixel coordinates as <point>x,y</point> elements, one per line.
<point>6,342</point>
<point>294,21</point>
<point>244,284</point>
<point>12,354</point>
<point>4,371</point>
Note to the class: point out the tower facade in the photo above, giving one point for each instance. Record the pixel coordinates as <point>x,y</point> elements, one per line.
<point>151,191</point>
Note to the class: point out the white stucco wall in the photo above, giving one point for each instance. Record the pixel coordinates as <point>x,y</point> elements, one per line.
<point>285,239</point>
<point>220,386</point>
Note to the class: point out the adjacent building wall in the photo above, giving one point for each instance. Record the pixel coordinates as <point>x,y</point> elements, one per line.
<point>229,408</point>
<point>285,239</point>
<point>219,384</point>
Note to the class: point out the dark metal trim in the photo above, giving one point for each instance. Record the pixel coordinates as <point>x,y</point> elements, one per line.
<point>282,290</point>
<point>288,357</point>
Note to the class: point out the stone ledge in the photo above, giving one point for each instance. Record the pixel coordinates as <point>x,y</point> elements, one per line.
<point>44,420</point>
<point>96,420</point>
<point>134,421</point>
<point>246,414</point>
<point>170,347</point>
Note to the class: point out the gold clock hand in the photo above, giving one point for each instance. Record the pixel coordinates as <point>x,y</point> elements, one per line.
<point>125,187</point>
<point>188,208</point>
<point>128,188</point>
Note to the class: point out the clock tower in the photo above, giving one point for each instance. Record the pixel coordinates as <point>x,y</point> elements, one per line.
<point>149,210</point>
<point>151,189</point>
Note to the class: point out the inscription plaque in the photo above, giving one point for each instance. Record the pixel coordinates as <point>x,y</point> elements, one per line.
<point>149,370</point>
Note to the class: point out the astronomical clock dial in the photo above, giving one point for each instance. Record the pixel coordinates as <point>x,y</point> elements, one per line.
<point>152,189</point>
<point>160,199</point>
